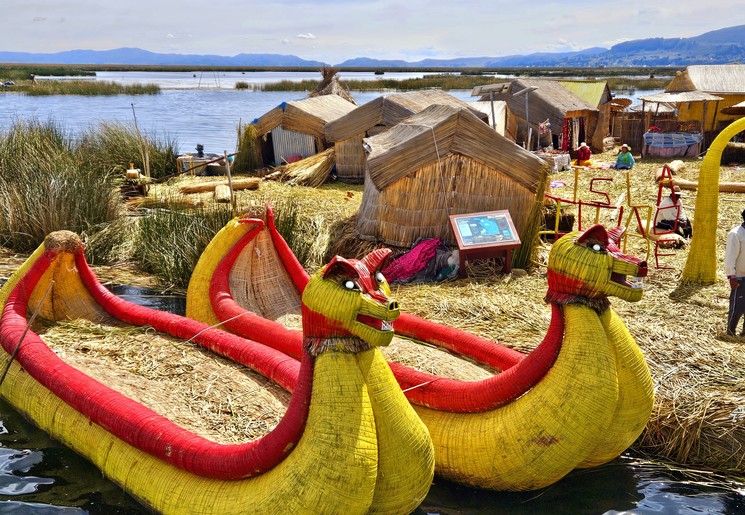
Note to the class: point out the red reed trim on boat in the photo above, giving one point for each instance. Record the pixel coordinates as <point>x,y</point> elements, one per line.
<point>519,372</point>
<point>134,423</point>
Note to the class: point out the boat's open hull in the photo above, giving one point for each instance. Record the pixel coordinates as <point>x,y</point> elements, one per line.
<point>315,460</point>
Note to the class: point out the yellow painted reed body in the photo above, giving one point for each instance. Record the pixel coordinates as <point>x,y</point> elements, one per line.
<point>701,264</point>
<point>198,306</point>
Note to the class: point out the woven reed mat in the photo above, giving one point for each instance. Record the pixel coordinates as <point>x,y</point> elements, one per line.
<point>198,390</point>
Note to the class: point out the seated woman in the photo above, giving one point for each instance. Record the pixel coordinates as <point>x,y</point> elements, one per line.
<point>672,217</point>
<point>624,161</point>
<point>583,155</point>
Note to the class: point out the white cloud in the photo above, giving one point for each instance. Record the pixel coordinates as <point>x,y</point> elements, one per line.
<point>170,36</point>
<point>307,35</point>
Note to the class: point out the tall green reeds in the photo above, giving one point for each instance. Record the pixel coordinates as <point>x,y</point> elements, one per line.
<point>45,187</point>
<point>113,146</point>
<point>89,87</point>
<point>170,241</point>
<point>249,153</point>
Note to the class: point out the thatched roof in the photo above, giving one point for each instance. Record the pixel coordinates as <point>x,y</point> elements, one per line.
<point>737,109</point>
<point>681,96</point>
<point>388,110</point>
<point>711,78</point>
<point>308,116</point>
<point>549,101</point>
<point>438,131</point>
<point>595,93</point>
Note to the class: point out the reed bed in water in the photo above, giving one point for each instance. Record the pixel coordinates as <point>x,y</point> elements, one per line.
<point>88,87</point>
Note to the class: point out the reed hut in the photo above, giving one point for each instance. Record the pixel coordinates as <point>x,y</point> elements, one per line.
<point>374,117</point>
<point>597,94</point>
<point>297,129</point>
<point>726,81</point>
<point>440,162</point>
<point>572,120</point>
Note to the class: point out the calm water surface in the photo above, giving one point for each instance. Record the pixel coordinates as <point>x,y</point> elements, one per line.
<point>40,476</point>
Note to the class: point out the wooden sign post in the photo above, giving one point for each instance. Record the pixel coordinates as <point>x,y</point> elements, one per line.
<point>485,235</point>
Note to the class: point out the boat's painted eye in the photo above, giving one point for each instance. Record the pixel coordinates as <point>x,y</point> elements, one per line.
<point>596,247</point>
<point>379,277</point>
<point>350,285</point>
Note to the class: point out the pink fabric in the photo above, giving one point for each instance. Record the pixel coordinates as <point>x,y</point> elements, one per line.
<point>413,261</point>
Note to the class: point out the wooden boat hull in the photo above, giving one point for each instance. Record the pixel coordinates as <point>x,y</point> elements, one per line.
<point>338,459</point>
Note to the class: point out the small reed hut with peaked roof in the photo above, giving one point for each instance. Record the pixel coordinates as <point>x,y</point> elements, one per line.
<point>298,128</point>
<point>440,162</point>
<point>374,117</point>
<point>572,119</point>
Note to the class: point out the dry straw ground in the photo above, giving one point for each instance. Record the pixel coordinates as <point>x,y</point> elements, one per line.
<point>698,371</point>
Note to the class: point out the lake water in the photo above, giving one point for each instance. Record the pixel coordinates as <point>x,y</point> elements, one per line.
<point>193,107</point>
<point>40,476</point>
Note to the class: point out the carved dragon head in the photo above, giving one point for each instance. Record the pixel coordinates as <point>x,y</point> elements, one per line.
<point>348,301</point>
<point>588,267</point>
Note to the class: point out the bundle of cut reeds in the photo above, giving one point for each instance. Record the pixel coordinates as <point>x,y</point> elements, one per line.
<point>312,171</point>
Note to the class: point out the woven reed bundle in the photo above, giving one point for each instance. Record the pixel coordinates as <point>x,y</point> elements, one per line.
<point>260,284</point>
<point>312,171</point>
<point>701,266</point>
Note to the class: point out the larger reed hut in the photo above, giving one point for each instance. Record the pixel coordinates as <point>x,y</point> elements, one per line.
<point>374,117</point>
<point>297,129</point>
<point>597,94</point>
<point>572,120</point>
<point>440,162</point>
<point>726,81</point>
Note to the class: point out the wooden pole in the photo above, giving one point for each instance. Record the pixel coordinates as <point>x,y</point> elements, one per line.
<point>230,184</point>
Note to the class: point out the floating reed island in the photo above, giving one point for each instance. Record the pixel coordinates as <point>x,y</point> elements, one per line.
<point>698,419</point>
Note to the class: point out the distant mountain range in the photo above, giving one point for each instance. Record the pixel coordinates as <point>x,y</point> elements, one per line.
<point>716,47</point>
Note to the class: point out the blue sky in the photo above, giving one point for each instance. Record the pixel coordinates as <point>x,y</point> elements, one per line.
<point>335,30</point>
